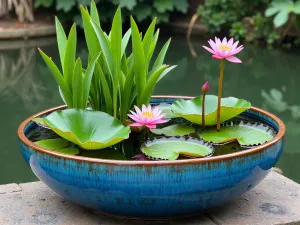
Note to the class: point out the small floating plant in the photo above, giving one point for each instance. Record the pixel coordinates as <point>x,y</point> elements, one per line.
<point>109,111</point>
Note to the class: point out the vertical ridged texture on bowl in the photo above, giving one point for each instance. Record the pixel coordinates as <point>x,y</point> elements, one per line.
<point>154,189</point>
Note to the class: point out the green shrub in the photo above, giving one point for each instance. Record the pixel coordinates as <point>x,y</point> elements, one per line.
<point>140,9</point>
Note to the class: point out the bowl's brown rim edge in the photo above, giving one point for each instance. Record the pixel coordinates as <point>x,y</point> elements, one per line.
<point>27,142</point>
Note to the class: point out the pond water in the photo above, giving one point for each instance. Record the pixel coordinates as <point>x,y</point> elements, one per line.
<point>268,78</point>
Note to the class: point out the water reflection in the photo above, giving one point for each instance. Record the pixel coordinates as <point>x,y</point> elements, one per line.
<point>267,78</point>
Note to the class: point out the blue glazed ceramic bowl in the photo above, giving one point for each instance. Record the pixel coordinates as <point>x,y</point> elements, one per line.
<point>154,189</point>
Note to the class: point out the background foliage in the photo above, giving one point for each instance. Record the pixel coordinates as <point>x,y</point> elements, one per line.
<point>270,21</point>
<point>68,10</point>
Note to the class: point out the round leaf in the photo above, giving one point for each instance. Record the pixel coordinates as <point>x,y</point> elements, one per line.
<point>245,133</point>
<point>171,148</point>
<point>166,108</point>
<point>68,151</point>
<point>104,154</point>
<point>88,129</point>
<point>281,18</point>
<point>191,110</point>
<point>271,11</point>
<point>174,130</point>
<point>53,144</point>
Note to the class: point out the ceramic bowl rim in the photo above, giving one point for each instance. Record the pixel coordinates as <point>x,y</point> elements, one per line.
<point>280,135</point>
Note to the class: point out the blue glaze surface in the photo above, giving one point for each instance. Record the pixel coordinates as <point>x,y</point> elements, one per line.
<point>154,191</point>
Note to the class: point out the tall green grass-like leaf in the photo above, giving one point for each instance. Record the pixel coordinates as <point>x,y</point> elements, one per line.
<point>152,47</point>
<point>148,37</point>
<point>139,61</point>
<point>105,90</point>
<point>61,41</point>
<point>70,54</point>
<point>90,35</point>
<point>161,56</point>
<point>147,91</point>
<point>116,46</point>
<point>87,79</point>
<point>125,41</point>
<point>59,79</point>
<point>94,13</point>
<point>77,86</point>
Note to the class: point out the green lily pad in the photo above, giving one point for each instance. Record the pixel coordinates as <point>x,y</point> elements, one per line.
<point>174,130</point>
<point>89,129</point>
<point>104,154</point>
<point>246,134</point>
<point>191,110</point>
<point>166,108</point>
<point>68,151</point>
<point>171,148</point>
<point>53,144</point>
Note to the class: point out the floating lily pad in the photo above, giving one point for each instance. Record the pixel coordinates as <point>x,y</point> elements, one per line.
<point>104,154</point>
<point>166,108</point>
<point>191,110</point>
<point>171,148</point>
<point>174,130</point>
<point>245,133</point>
<point>68,151</point>
<point>89,129</point>
<point>53,144</point>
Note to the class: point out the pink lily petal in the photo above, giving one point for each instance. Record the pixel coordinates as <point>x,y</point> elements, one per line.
<point>138,111</point>
<point>136,125</point>
<point>161,121</point>
<point>208,49</point>
<point>212,45</point>
<point>237,50</point>
<point>134,117</point>
<point>224,42</point>
<point>230,42</point>
<point>144,108</point>
<point>216,57</point>
<point>151,126</point>
<point>233,59</point>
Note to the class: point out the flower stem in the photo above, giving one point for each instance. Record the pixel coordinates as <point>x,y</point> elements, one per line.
<point>203,110</point>
<point>220,94</point>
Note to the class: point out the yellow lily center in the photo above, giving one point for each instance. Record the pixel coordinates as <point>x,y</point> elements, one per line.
<point>147,114</point>
<point>224,47</point>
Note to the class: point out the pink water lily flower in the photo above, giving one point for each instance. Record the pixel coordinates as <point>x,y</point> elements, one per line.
<point>147,117</point>
<point>224,50</point>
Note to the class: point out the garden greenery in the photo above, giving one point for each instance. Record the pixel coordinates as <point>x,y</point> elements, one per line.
<point>251,21</point>
<point>114,81</point>
<point>141,10</point>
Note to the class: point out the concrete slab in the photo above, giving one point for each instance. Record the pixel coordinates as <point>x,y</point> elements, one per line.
<point>275,201</point>
<point>37,204</point>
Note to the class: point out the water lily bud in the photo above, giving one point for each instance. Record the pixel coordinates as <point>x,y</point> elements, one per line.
<point>205,87</point>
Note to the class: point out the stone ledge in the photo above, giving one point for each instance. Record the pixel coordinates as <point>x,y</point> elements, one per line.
<point>276,200</point>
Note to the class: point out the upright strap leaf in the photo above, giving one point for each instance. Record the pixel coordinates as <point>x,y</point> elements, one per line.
<point>90,35</point>
<point>161,56</point>
<point>87,79</point>
<point>70,54</point>
<point>61,41</point>
<point>139,61</point>
<point>77,86</point>
<point>59,79</point>
<point>94,13</point>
